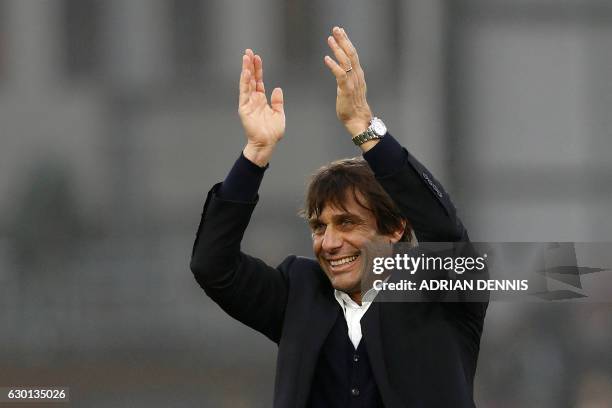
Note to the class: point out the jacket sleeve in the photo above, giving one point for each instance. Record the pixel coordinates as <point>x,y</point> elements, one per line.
<point>420,197</point>
<point>428,207</point>
<point>245,287</point>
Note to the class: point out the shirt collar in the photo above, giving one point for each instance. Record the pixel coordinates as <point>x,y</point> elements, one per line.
<point>345,300</point>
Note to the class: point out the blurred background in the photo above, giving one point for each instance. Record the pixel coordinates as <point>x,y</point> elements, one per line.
<point>117,116</point>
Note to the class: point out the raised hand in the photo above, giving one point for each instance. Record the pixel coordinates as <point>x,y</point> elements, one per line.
<point>263,123</point>
<point>351,104</point>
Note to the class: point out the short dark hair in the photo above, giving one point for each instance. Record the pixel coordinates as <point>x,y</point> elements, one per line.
<point>330,185</point>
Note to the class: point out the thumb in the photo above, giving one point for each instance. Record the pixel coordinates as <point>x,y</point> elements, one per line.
<point>276,100</point>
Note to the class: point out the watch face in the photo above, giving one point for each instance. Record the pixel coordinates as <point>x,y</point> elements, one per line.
<point>378,127</point>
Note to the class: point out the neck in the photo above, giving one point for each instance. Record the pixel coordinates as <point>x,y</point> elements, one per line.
<point>356,297</point>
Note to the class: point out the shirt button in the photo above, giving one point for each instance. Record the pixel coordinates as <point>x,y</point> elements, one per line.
<point>355,392</point>
<point>355,357</point>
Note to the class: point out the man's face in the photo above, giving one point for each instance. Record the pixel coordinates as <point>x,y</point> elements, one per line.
<point>339,239</point>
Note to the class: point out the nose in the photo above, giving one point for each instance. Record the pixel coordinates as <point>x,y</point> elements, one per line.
<point>332,240</point>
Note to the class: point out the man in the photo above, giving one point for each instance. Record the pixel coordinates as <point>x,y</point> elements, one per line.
<point>337,349</point>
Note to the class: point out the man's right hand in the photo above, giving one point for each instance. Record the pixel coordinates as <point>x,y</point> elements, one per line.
<point>263,123</point>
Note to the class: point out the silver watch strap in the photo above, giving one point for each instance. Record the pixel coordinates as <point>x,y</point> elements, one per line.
<point>365,136</point>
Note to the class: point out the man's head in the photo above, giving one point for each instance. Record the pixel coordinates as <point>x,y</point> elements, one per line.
<point>347,209</point>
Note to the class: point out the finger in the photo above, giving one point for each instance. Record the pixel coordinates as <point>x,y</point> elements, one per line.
<point>259,74</point>
<point>341,57</point>
<point>347,46</point>
<point>277,100</point>
<point>245,80</point>
<point>336,69</point>
<point>251,67</point>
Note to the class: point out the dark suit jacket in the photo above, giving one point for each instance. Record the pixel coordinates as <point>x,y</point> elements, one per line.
<point>422,354</point>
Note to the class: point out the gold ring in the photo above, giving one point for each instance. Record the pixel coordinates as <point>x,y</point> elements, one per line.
<point>348,70</point>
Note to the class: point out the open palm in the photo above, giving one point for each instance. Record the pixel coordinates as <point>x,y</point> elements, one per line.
<point>263,123</point>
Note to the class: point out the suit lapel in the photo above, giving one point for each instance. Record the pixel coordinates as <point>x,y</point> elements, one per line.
<point>317,325</point>
<point>371,332</point>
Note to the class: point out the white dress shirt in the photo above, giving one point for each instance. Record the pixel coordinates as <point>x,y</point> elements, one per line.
<point>354,312</point>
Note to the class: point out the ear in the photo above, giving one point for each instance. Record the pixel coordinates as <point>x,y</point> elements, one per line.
<point>398,234</point>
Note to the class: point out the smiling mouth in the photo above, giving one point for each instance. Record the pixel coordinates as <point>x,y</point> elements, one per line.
<point>343,261</point>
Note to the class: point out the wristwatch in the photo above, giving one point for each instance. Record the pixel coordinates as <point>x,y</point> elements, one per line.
<point>376,130</point>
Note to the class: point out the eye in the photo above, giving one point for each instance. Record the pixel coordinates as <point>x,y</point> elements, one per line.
<point>347,223</point>
<point>318,228</point>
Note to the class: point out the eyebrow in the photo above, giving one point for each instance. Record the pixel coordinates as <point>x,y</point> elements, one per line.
<point>347,216</point>
<point>313,222</point>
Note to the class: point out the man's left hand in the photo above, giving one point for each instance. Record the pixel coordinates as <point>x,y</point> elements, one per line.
<point>351,104</point>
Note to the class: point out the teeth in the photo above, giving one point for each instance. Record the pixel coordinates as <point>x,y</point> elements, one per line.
<point>343,261</point>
